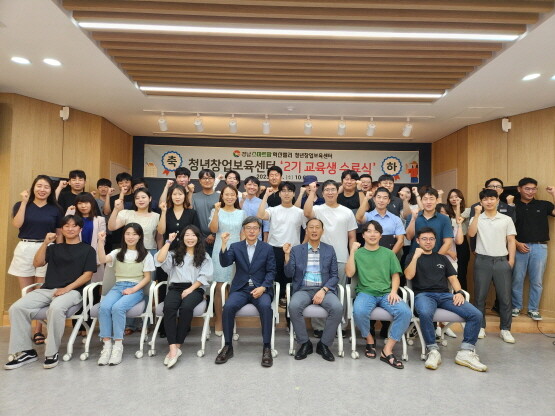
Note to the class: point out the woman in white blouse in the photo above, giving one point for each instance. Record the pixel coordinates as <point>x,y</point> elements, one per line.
<point>189,270</point>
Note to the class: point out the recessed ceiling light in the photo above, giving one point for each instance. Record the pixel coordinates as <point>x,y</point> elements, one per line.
<point>20,60</point>
<point>51,62</point>
<point>360,34</point>
<point>220,91</point>
<point>530,77</point>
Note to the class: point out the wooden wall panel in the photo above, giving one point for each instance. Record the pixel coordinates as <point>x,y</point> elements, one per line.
<point>445,154</point>
<point>34,140</point>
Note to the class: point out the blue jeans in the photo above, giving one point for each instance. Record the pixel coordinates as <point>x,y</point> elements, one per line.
<point>534,262</point>
<point>364,305</point>
<point>113,308</point>
<point>426,304</point>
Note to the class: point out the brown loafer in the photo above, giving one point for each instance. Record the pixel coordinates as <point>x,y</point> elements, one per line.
<point>225,354</point>
<point>267,360</point>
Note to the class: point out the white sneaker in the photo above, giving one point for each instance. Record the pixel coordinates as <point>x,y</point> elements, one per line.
<point>470,359</point>
<point>506,336</point>
<point>116,355</point>
<point>434,360</point>
<point>450,333</point>
<point>105,356</point>
<point>482,333</point>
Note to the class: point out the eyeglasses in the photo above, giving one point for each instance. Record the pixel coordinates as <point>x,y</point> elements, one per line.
<point>254,228</point>
<point>530,189</point>
<point>426,239</point>
<point>495,187</point>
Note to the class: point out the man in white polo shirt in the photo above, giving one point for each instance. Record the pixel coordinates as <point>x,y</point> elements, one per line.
<point>340,228</point>
<point>286,221</point>
<point>495,241</point>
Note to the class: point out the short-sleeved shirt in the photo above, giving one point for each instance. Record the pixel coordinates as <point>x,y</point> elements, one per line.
<point>351,202</point>
<point>374,270</point>
<point>250,206</point>
<point>129,270</point>
<point>432,271</point>
<point>285,225</point>
<point>395,206</point>
<point>203,205</point>
<point>440,223</point>
<point>338,222</point>
<point>391,223</point>
<point>38,221</point>
<point>187,272</point>
<point>148,222</point>
<point>66,263</point>
<point>531,220</point>
<point>491,239</point>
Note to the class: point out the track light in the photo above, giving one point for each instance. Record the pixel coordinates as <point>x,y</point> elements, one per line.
<point>407,129</point>
<point>232,124</point>
<point>162,123</point>
<point>199,126</point>
<point>266,125</point>
<point>307,126</point>
<point>341,127</point>
<point>371,128</point>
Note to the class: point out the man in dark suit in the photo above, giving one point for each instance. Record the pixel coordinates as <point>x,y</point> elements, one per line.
<point>313,269</point>
<point>253,283</point>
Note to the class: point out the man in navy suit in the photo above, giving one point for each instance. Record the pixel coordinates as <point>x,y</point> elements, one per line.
<point>253,283</point>
<point>313,269</point>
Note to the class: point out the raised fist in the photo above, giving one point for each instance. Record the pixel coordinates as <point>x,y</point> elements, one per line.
<point>551,189</point>
<point>93,193</point>
<point>415,191</point>
<point>478,209</point>
<point>62,184</point>
<point>191,187</point>
<point>118,204</point>
<point>244,195</point>
<point>221,177</point>
<point>355,246</point>
<point>111,191</point>
<point>369,194</point>
<point>510,199</point>
<point>163,206</point>
<point>261,189</point>
<point>218,205</point>
<point>225,237</point>
<point>287,248</point>
<point>172,236</point>
<point>24,196</point>
<point>169,183</point>
<point>50,238</point>
<point>101,236</point>
<point>269,191</point>
<point>418,252</point>
<point>440,192</point>
<point>460,220</point>
<point>71,208</point>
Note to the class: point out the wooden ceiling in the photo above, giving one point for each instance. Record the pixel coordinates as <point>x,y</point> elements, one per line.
<point>305,64</point>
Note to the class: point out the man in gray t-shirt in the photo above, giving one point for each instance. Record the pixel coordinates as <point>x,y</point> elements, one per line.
<point>203,203</point>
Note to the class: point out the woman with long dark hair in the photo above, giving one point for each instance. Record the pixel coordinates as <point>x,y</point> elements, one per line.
<point>177,212</point>
<point>456,208</point>
<point>133,265</point>
<point>36,215</point>
<point>189,270</point>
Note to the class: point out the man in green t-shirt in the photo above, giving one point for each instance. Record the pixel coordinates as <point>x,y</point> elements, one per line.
<point>378,282</point>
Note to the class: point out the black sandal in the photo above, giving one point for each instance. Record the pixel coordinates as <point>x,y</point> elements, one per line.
<point>370,349</point>
<point>395,363</point>
<point>39,338</point>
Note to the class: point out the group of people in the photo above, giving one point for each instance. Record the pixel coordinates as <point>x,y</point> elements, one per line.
<point>356,231</point>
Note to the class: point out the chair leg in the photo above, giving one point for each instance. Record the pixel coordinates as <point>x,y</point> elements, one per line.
<point>139,353</point>
<point>85,355</point>
<point>422,343</point>
<point>354,352</point>
<point>152,342</point>
<point>72,337</point>
<point>204,335</point>
<point>291,339</point>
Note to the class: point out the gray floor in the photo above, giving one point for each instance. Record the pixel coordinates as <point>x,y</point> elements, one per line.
<point>520,380</point>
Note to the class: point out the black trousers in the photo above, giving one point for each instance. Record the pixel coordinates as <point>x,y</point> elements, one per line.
<point>463,257</point>
<point>176,328</point>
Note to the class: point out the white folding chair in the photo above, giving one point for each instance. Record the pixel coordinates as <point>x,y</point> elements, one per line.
<point>204,310</point>
<point>250,310</point>
<point>441,315</point>
<point>315,311</point>
<point>72,313</point>
<point>378,314</point>
<point>138,311</point>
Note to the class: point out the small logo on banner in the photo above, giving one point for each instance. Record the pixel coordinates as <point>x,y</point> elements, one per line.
<point>171,161</point>
<point>236,153</point>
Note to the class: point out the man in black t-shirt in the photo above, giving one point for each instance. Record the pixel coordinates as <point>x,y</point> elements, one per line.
<point>532,229</point>
<point>77,182</point>
<point>431,274</point>
<point>70,266</point>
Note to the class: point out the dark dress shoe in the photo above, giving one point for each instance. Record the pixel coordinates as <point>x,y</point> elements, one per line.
<point>325,352</point>
<point>318,333</point>
<point>225,354</point>
<point>267,360</point>
<point>303,352</point>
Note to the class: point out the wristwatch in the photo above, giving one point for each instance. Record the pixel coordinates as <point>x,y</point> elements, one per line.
<point>459,292</point>
<point>325,289</point>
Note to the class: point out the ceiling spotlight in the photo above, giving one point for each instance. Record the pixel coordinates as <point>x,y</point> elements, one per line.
<point>232,124</point>
<point>163,123</point>
<point>20,60</point>
<point>51,62</point>
<point>341,127</point>
<point>371,128</point>
<point>307,126</point>
<point>407,130</point>
<point>266,125</point>
<point>530,77</point>
<point>199,126</point>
